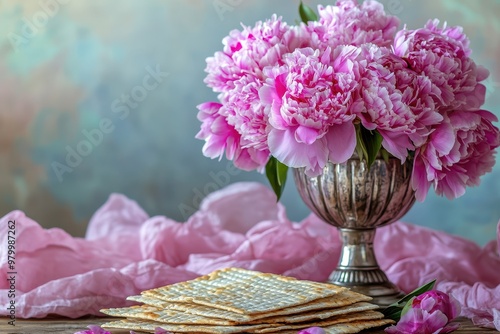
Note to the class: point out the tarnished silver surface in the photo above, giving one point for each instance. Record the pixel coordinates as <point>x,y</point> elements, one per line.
<point>357,200</point>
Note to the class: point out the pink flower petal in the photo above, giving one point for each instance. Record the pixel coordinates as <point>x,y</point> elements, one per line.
<point>396,144</point>
<point>443,138</point>
<point>285,148</point>
<point>419,180</point>
<point>312,330</point>
<point>306,135</point>
<point>341,141</point>
<point>434,321</point>
<point>268,94</point>
<point>93,329</point>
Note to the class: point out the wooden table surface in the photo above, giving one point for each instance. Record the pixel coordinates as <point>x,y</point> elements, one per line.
<point>70,326</point>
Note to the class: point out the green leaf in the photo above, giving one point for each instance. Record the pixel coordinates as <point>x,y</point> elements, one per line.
<point>360,144</point>
<point>276,173</point>
<point>394,310</point>
<point>407,306</point>
<point>372,141</point>
<point>373,146</point>
<point>385,154</point>
<point>307,13</point>
<point>417,292</point>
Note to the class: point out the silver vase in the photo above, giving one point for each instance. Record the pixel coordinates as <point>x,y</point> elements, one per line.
<point>357,200</point>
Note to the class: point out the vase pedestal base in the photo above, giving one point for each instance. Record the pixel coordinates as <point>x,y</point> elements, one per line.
<point>383,294</point>
<point>359,271</point>
<point>368,281</point>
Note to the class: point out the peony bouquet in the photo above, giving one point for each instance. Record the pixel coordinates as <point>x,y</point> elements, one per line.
<point>346,81</point>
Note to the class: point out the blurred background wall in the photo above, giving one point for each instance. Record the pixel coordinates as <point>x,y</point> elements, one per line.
<point>126,76</point>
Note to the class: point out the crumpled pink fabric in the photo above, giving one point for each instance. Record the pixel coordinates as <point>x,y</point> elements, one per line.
<point>126,252</point>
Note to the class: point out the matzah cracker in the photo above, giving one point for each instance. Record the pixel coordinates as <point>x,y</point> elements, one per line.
<point>149,326</point>
<point>245,291</point>
<point>342,299</point>
<point>365,315</point>
<point>348,328</point>
<point>146,312</point>
<point>164,315</point>
<point>195,309</point>
<point>318,314</point>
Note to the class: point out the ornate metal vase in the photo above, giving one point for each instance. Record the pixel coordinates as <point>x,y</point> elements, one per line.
<point>357,200</point>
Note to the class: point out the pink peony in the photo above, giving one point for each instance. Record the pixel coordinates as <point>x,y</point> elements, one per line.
<point>380,104</point>
<point>434,300</point>
<point>454,33</point>
<point>237,73</point>
<point>429,313</point>
<point>220,137</point>
<point>247,114</point>
<point>458,152</point>
<point>298,92</point>
<point>310,97</point>
<point>350,23</point>
<point>248,51</point>
<point>419,321</point>
<point>419,93</point>
<point>443,56</point>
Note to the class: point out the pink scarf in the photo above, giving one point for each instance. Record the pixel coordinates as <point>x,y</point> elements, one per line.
<point>126,252</point>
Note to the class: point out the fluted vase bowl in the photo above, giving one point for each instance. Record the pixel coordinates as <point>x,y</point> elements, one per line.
<point>357,200</point>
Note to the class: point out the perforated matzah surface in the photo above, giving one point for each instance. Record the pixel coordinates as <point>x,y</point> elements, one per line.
<point>200,310</point>
<point>244,291</point>
<point>342,299</point>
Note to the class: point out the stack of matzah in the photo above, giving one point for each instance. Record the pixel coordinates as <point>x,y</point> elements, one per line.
<point>242,301</point>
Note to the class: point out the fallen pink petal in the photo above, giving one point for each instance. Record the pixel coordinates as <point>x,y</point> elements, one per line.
<point>312,330</point>
<point>93,329</point>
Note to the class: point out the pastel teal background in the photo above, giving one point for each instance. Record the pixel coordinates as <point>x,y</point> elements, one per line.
<point>64,65</point>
